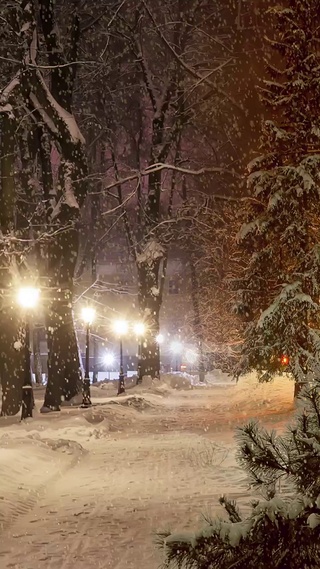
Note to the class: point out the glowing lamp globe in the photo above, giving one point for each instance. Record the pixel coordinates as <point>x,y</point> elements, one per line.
<point>108,359</point>
<point>28,297</point>
<point>120,327</point>
<point>88,314</point>
<point>139,328</point>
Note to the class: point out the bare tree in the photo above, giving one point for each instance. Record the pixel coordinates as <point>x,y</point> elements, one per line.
<point>160,75</point>
<point>45,114</point>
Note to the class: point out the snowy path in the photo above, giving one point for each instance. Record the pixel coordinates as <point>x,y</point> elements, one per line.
<point>103,511</point>
<point>137,473</point>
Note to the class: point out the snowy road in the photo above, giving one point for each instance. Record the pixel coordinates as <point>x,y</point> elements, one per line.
<point>88,488</point>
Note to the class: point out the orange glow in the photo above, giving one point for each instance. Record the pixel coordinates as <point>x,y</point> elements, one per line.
<point>284,360</point>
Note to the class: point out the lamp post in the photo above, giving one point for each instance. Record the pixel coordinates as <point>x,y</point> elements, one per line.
<point>88,314</point>
<point>27,298</point>
<point>121,328</point>
<point>139,329</point>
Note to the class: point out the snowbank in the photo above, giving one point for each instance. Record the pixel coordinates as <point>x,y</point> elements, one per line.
<point>275,397</point>
<point>27,466</point>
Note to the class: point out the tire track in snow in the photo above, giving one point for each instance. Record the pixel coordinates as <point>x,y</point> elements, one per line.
<point>35,496</point>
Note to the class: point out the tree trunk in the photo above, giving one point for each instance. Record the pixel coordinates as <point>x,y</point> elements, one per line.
<point>150,358</point>
<point>64,368</point>
<point>72,384</point>
<point>52,399</point>
<point>37,366</point>
<point>64,363</point>
<point>11,338</point>
<point>149,305</point>
<point>12,360</point>
<point>197,317</point>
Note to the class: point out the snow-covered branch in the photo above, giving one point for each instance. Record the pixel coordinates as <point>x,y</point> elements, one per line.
<point>158,167</point>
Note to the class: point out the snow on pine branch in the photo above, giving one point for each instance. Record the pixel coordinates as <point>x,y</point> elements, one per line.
<point>233,533</point>
<point>301,178</point>
<point>227,531</point>
<point>247,229</point>
<point>289,293</point>
<point>275,132</point>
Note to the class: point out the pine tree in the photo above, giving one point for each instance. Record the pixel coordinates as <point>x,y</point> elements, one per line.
<point>279,533</point>
<point>281,287</point>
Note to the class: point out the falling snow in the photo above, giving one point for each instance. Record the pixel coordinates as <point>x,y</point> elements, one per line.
<point>159,284</point>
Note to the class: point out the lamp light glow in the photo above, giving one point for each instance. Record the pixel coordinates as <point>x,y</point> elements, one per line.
<point>88,314</point>
<point>139,328</point>
<point>176,347</point>
<point>28,297</point>
<point>108,359</point>
<point>120,327</point>
<point>159,338</point>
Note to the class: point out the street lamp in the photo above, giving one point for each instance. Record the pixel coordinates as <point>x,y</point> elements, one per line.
<point>139,329</point>
<point>27,298</point>
<point>88,315</point>
<point>121,328</point>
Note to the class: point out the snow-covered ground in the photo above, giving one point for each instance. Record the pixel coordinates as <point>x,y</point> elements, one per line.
<point>88,488</point>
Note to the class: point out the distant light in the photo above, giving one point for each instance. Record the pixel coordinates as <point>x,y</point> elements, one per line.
<point>28,297</point>
<point>139,328</point>
<point>160,338</point>
<point>176,347</point>
<point>88,314</point>
<point>108,359</point>
<point>120,327</point>
<point>284,360</point>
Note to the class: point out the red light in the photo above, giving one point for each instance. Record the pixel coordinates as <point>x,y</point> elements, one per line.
<point>284,360</point>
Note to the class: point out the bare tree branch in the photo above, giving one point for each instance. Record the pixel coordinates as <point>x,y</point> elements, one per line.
<point>191,71</point>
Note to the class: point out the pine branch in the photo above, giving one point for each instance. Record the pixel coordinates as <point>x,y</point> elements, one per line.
<point>259,455</point>
<point>231,508</point>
